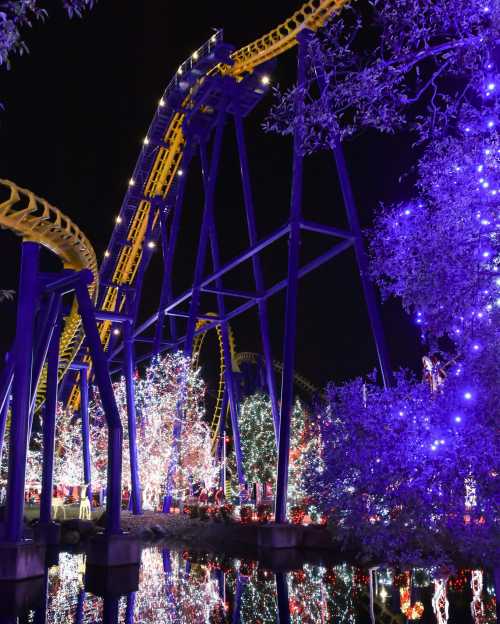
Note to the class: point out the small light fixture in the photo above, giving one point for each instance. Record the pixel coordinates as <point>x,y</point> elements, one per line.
<point>131,182</point>
<point>146,141</point>
<point>180,172</point>
<point>161,102</point>
<point>119,219</point>
<point>265,80</point>
<point>106,254</point>
<point>196,56</point>
<point>116,331</point>
<point>179,71</point>
<point>151,244</point>
<point>213,39</point>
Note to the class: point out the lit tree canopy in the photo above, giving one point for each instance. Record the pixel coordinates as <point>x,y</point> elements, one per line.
<point>18,14</point>
<point>441,252</point>
<point>391,65</point>
<point>396,463</point>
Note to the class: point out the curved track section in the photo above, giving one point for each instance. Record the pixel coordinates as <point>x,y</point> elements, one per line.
<point>300,381</point>
<point>198,343</point>
<point>36,220</point>
<point>311,15</point>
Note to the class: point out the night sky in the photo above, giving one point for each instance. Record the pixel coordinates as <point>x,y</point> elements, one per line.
<point>77,108</point>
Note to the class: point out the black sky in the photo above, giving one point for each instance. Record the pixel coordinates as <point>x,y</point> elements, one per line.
<point>77,108</point>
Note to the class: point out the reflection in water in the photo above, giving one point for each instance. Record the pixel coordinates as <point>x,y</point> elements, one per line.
<point>440,604</point>
<point>181,588</point>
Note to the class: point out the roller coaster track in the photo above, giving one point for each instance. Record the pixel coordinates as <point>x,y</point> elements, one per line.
<point>236,360</point>
<point>156,170</point>
<point>36,220</point>
<point>198,343</point>
<point>300,381</point>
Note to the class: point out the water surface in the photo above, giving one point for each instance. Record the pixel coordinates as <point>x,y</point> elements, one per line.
<point>181,587</point>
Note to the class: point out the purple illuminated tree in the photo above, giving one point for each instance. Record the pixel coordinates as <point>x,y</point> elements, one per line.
<point>18,14</point>
<point>393,65</point>
<point>399,466</point>
<point>403,469</point>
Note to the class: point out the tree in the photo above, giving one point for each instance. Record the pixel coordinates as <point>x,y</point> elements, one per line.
<point>396,463</point>
<point>259,445</point>
<point>18,14</point>
<point>393,65</point>
<point>440,253</point>
<point>167,381</point>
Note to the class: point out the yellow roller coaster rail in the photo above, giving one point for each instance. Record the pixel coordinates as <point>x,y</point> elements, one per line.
<point>312,15</point>
<point>197,345</point>
<point>33,218</point>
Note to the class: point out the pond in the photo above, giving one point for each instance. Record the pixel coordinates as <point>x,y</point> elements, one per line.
<point>191,588</point>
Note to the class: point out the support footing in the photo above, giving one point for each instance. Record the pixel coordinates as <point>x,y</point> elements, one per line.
<point>22,560</point>
<point>279,536</point>
<point>113,550</point>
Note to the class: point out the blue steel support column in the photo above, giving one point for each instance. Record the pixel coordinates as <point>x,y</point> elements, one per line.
<point>3,423</point>
<point>164,295</point>
<point>130,609</point>
<point>195,301</point>
<point>362,260</point>
<point>23,363</point>
<point>291,294</point>
<point>222,443</point>
<point>257,269</point>
<point>84,411</point>
<point>115,432</point>
<point>226,347</point>
<point>205,232</point>
<point>49,426</point>
<point>6,379</point>
<point>79,607</point>
<point>169,248</point>
<point>44,333</point>
<point>240,588</point>
<point>282,595</point>
<point>132,417</point>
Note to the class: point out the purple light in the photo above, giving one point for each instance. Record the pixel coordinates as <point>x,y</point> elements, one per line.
<point>458,419</point>
<point>468,396</point>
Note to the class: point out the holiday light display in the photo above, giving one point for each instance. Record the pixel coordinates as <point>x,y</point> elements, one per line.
<point>65,585</point>
<point>68,461</point>
<point>157,394</point>
<point>33,462</point>
<point>440,603</point>
<point>395,468</point>
<point>197,588</point>
<point>258,599</point>
<point>170,594</point>
<point>259,443</point>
